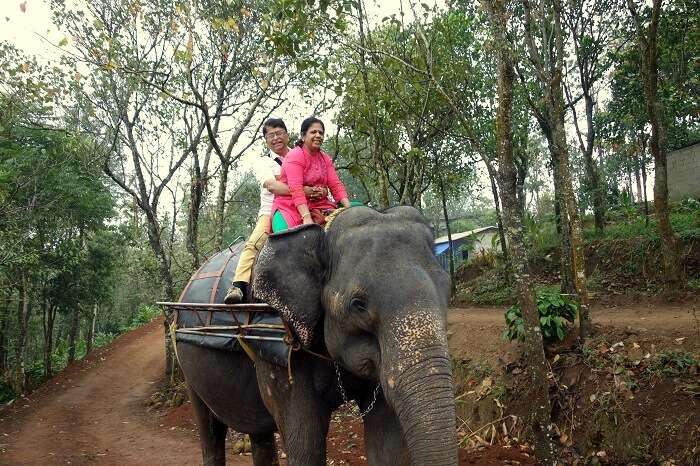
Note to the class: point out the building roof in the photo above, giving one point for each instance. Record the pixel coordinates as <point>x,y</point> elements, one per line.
<point>464,234</point>
<point>679,149</point>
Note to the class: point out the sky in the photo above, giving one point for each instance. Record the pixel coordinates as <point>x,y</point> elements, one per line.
<point>27,25</point>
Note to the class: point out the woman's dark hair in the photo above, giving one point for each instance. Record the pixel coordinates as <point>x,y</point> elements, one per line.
<point>305,125</point>
<point>273,123</point>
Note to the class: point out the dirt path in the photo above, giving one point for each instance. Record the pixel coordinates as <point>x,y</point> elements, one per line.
<point>475,332</point>
<point>94,413</point>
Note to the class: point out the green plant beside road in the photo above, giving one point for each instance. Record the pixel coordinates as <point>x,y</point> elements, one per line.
<point>554,308</point>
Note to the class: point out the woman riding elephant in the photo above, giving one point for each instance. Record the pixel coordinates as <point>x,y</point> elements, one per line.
<point>307,165</point>
<point>366,302</point>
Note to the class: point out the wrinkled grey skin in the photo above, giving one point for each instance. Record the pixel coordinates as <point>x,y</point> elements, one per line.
<point>370,292</point>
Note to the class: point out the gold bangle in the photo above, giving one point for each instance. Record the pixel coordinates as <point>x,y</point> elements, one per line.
<point>307,214</point>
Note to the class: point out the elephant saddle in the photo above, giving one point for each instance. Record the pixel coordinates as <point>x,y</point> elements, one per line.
<point>200,317</point>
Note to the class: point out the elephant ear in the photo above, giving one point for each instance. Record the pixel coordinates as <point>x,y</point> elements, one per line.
<point>288,275</point>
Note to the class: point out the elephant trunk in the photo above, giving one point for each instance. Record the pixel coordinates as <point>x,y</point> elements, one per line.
<point>422,396</point>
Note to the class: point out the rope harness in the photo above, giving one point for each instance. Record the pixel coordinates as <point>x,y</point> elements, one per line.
<point>243,333</point>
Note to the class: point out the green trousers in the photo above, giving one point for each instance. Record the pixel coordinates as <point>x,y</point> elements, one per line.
<point>278,222</point>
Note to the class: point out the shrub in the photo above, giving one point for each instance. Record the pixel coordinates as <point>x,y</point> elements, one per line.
<point>6,391</point>
<point>143,315</point>
<point>488,288</point>
<point>673,363</point>
<point>103,339</point>
<point>554,310</point>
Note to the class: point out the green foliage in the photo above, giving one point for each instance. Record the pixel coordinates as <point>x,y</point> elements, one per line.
<point>489,287</point>
<point>673,363</point>
<point>554,310</point>
<point>628,222</point>
<point>540,235</point>
<point>6,391</point>
<point>144,315</point>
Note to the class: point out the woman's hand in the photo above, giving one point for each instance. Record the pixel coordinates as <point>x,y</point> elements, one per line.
<point>315,192</point>
<point>306,219</point>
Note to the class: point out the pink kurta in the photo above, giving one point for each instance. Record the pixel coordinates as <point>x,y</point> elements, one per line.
<point>300,168</point>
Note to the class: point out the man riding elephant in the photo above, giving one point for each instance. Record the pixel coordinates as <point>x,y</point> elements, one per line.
<point>267,172</point>
<point>366,301</point>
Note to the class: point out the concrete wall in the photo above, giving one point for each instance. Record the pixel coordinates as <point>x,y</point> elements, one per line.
<point>483,241</point>
<point>684,172</point>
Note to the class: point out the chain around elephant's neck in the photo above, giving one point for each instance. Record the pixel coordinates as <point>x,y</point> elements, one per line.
<point>345,398</point>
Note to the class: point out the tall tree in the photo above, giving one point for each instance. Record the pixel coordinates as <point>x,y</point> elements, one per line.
<point>512,217</point>
<point>544,39</point>
<point>647,36</point>
<point>593,30</point>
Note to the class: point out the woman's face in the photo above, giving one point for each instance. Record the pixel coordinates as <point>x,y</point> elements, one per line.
<point>313,138</point>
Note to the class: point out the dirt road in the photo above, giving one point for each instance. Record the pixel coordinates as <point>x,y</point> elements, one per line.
<point>93,412</point>
<point>475,332</point>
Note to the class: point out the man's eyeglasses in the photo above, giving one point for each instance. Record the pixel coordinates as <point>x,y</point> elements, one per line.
<point>270,135</point>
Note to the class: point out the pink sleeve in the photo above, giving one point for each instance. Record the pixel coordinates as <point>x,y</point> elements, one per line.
<point>293,166</point>
<point>334,184</point>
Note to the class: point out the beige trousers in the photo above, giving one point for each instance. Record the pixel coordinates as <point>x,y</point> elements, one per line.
<point>255,242</point>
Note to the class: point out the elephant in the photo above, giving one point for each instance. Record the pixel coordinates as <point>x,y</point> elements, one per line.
<point>367,292</point>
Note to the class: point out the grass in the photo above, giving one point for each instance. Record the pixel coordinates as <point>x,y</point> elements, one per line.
<point>626,223</point>
<point>488,288</point>
<point>625,256</point>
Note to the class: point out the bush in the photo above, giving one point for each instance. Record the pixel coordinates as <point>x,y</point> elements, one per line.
<point>673,363</point>
<point>488,288</point>
<point>554,310</point>
<point>144,315</point>
<point>6,392</point>
<point>103,339</point>
<point>540,236</point>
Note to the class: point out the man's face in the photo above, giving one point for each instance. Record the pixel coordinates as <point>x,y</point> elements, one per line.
<point>276,139</point>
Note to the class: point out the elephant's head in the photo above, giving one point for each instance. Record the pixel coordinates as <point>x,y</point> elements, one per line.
<point>372,282</point>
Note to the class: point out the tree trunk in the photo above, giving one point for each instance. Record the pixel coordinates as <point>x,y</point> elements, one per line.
<point>520,175</point>
<point>4,328</point>
<point>644,190</point>
<point>637,178</point>
<point>74,333</point>
<point>173,372</point>
<point>221,208</point>
<point>90,339</point>
<point>556,113</point>
<point>450,250</point>
<point>533,347</point>
<point>629,180</point>
<point>48,323</point>
<point>647,39</point>
<point>562,218</point>
<point>154,239</point>
<point>192,240</point>
<point>592,173</point>
<point>24,309</point>
<point>499,222</point>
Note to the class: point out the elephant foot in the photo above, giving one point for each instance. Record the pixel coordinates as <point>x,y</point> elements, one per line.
<point>264,449</point>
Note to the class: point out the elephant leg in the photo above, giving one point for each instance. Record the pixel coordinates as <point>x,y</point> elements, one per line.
<point>383,437</point>
<point>300,414</point>
<point>212,433</point>
<point>264,449</point>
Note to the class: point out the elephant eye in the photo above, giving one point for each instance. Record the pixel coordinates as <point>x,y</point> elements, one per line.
<point>357,304</point>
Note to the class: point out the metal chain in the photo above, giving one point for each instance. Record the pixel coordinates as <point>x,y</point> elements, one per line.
<point>345,397</point>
